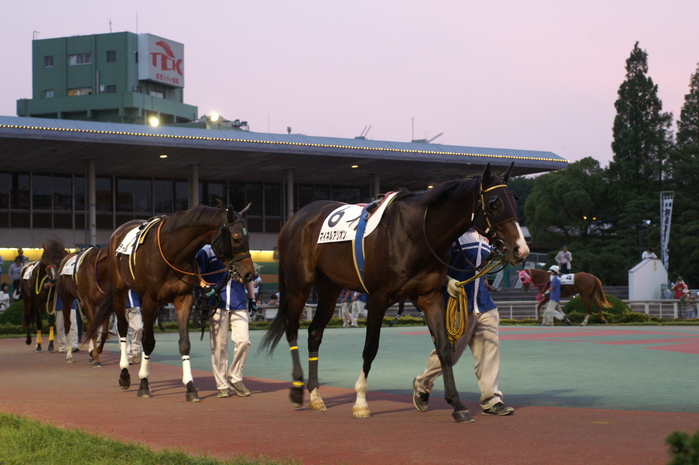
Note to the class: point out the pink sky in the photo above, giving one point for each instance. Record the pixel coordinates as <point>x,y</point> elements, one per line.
<point>536,75</point>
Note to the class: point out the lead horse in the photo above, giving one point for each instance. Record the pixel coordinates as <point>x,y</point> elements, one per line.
<point>162,269</point>
<point>37,281</point>
<point>587,285</point>
<point>83,276</point>
<point>405,258</point>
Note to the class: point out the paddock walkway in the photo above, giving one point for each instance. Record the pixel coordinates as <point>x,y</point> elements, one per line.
<point>602,395</point>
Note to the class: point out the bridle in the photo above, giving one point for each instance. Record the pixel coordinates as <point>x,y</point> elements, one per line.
<point>526,278</point>
<point>480,215</point>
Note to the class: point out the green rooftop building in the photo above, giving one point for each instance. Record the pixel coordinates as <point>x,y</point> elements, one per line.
<point>120,77</point>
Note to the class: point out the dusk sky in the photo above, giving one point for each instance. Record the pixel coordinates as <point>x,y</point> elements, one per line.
<point>536,75</point>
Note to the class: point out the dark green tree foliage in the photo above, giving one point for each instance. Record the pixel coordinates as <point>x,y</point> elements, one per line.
<point>521,187</point>
<point>641,131</point>
<point>684,448</point>
<point>566,204</point>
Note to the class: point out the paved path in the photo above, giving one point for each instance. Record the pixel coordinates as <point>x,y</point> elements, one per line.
<point>583,395</point>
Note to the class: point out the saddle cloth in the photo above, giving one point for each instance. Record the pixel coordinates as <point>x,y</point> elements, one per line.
<point>567,279</point>
<point>72,266</point>
<point>130,242</point>
<point>341,224</point>
<point>28,270</point>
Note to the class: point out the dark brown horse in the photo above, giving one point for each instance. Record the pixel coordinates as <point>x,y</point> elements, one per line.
<point>405,258</point>
<point>37,286</point>
<point>588,286</point>
<point>162,269</point>
<point>85,279</point>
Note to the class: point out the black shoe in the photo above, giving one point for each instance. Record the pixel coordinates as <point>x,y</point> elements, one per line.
<point>420,399</point>
<point>499,409</point>
<point>566,321</point>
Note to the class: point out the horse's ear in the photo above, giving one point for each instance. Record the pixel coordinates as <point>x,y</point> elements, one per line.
<point>506,175</point>
<point>242,212</point>
<point>485,177</point>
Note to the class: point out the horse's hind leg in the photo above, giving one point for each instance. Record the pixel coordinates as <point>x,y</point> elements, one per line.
<point>328,293</point>
<point>295,301</point>
<point>52,323</point>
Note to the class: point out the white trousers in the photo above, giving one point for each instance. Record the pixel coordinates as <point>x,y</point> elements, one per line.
<point>550,313</point>
<point>357,309</point>
<point>240,335</point>
<point>135,333</point>
<point>483,340</point>
<point>61,330</point>
<point>346,315</point>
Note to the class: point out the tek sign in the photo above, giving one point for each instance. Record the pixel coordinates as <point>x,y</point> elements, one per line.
<point>160,60</point>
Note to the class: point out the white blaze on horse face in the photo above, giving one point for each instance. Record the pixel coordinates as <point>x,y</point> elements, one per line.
<point>521,243</point>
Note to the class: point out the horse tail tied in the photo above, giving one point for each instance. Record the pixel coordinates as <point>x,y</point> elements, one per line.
<point>278,326</point>
<point>102,315</point>
<point>601,298</point>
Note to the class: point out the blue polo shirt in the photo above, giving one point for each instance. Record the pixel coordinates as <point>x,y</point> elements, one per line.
<point>476,250</point>
<point>233,295</point>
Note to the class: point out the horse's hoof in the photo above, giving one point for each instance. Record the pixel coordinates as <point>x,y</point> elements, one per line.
<point>38,349</point>
<point>90,359</point>
<point>144,393</point>
<point>361,412</point>
<point>462,416</point>
<point>317,406</point>
<point>97,365</point>
<point>28,341</point>
<point>124,379</point>
<point>192,394</point>
<point>69,360</point>
<point>51,347</point>
<point>296,396</point>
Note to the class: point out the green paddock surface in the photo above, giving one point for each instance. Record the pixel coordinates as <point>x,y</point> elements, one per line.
<point>598,394</point>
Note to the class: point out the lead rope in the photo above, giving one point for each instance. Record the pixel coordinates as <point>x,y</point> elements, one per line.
<point>457,309</point>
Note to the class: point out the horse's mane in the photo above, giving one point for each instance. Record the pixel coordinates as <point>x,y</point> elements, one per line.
<point>195,216</point>
<point>460,187</point>
<point>54,250</point>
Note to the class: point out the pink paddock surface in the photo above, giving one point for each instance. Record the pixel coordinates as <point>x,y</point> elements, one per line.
<point>42,387</point>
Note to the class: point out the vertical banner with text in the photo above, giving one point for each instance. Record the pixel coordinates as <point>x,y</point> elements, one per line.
<point>666,199</point>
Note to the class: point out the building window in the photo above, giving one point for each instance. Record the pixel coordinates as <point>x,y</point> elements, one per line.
<point>48,61</point>
<point>111,56</point>
<point>111,89</point>
<point>79,91</point>
<point>48,93</point>
<point>80,59</point>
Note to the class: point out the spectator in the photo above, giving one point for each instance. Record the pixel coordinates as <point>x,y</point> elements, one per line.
<point>24,258</point>
<point>649,254</point>
<point>346,303</point>
<point>4,297</point>
<point>15,273</point>
<point>679,287</point>
<point>358,306</point>
<point>135,332</point>
<point>564,259</point>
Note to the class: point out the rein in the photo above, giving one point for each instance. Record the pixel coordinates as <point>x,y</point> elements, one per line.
<point>457,309</point>
<point>99,251</point>
<point>527,278</point>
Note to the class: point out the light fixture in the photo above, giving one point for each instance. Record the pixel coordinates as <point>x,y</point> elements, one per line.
<point>355,166</point>
<point>430,186</point>
<point>214,116</point>
<point>163,155</point>
<point>153,121</point>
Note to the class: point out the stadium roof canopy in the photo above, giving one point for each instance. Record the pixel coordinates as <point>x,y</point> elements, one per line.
<point>62,146</point>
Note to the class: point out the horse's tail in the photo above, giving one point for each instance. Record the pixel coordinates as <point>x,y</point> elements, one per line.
<point>600,299</point>
<point>102,315</point>
<point>278,326</point>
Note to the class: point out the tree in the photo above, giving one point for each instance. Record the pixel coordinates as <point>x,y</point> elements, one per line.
<point>567,203</point>
<point>521,187</point>
<point>641,130</point>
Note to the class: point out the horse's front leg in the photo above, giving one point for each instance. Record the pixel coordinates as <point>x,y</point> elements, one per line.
<point>377,306</point>
<point>435,310</point>
<point>183,305</point>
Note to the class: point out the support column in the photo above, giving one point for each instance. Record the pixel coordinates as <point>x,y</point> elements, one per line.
<point>91,232</point>
<point>194,185</point>
<point>289,193</point>
<point>376,188</point>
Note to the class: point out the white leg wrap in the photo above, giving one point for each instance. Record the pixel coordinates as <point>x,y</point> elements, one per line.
<point>123,361</point>
<point>186,370</point>
<point>91,346</point>
<point>144,372</point>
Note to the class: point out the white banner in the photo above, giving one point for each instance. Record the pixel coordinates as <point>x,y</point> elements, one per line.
<point>160,60</point>
<point>666,199</point>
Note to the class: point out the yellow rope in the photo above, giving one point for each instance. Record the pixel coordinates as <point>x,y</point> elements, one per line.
<point>457,309</point>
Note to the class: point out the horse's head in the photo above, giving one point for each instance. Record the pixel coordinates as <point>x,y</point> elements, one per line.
<point>496,216</point>
<point>51,258</point>
<point>526,279</point>
<point>232,245</point>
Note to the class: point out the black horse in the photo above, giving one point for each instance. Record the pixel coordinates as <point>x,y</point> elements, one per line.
<point>405,259</point>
